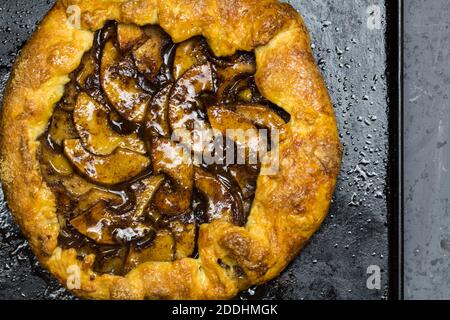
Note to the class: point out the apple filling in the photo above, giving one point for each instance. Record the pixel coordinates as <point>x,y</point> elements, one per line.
<point>128,192</point>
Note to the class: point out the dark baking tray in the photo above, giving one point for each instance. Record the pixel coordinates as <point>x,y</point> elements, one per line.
<point>361,68</point>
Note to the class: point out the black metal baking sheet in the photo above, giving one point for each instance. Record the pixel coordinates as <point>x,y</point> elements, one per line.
<point>360,66</point>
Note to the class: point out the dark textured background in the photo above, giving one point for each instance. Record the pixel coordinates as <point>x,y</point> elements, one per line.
<point>427,149</point>
<point>333,265</point>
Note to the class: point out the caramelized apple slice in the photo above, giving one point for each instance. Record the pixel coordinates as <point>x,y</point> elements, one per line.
<point>88,69</point>
<point>145,190</point>
<point>120,85</point>
<point>188,54</point>
<point>76,186</point>
<point>241,64</point>
<point>58,173</point>
<point>57,162</point>
<point>156,121</point>
<point>104,226</point>
<point>168,157</point>
<point>70,96</point>
<point>184,235</point>
<point>148,57</point>
<point>91,121</point>
<point>96,224</point>
<point>120,166</point>
<point>94,196</point>
<point>238,129</point>
<point>223,119</point>
<point>261,116</point>
<point>246,177</point>
<point>162,249</point>
<point>129,36</point>
<point>246,95</point>
<point>182,104</point>
<point>240,89</point>
<point>222,202</point>
<point>110,260</point>
<point>61,127</point>
<point>73,185</point>
<point>135,231</point>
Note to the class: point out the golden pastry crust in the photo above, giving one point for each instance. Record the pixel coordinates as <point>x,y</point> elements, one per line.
<point>289,206</point>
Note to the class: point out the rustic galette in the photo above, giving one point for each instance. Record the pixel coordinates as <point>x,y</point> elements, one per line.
<point>97,159</point>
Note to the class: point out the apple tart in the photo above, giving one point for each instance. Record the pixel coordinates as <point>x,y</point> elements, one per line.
<point>100,164</point>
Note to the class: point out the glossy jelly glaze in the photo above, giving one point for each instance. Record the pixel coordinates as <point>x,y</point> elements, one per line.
<point>127,192</point>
